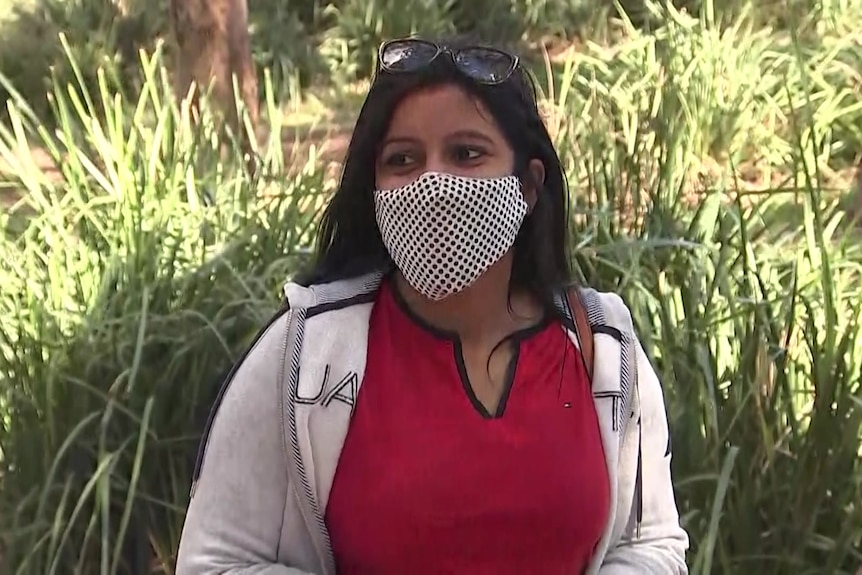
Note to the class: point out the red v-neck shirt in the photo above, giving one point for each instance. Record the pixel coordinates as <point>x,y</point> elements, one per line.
<point>428,482</point>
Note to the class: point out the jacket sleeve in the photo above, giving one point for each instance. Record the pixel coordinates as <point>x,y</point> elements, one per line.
<point>658,545</point>
<point>233,522</point>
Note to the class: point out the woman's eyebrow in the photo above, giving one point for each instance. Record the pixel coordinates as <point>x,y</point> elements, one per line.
<point>398,140</point>
<point>471,134</point>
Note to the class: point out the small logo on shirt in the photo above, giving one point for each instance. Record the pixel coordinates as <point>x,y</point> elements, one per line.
<point>329,390</point>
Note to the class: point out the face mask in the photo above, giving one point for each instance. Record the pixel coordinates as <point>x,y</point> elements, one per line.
<point>444,231</point>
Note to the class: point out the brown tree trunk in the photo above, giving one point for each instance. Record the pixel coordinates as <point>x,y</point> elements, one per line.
<point>213,46</point>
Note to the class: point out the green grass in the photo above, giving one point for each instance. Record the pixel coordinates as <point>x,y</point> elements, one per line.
<point>706,155</point>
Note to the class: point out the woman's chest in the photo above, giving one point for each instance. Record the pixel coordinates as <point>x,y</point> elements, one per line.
<point>423,469</point>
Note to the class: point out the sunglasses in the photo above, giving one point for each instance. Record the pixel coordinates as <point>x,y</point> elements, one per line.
<point>484,65</point>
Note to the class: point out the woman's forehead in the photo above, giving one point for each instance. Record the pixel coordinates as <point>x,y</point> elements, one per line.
<point>439,109</point>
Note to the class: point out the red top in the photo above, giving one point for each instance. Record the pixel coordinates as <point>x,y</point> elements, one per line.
<point>428,482</point>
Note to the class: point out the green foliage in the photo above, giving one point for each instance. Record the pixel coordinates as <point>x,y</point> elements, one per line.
<point>99,35</point>
<point>304,42</point>
<point>704,156</point>
<point>281,43</point>
<point>146,252</point>
<point>350,45</point>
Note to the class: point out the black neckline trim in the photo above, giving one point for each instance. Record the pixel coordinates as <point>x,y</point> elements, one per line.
<point>508,382</point>
<point>515,338</point>
<point>450,335</point>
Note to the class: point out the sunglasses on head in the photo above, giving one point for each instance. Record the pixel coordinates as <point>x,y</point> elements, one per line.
<point>484,65</point>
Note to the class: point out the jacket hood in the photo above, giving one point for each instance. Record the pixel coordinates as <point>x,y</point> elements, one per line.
<point>298,295</point>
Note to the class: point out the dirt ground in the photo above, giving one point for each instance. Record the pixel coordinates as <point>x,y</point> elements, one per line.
<point>331,146</point>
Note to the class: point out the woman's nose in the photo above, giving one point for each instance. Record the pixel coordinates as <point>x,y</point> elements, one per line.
<point>435,161</point>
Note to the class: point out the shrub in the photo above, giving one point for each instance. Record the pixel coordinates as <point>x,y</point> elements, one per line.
<point>749,307</point>
<point>131,290</point>
<point>101,34</point>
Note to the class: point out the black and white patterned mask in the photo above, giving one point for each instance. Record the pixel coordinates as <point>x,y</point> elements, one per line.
<point>444,231</point>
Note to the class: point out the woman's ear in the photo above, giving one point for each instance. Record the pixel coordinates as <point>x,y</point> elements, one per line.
<point>535,180</point>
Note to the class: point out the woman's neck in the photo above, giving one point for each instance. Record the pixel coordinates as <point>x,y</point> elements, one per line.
<point>483,313</point>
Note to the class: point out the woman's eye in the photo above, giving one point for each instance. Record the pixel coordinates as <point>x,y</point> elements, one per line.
<point>468,153</point>
<point>398,160</point>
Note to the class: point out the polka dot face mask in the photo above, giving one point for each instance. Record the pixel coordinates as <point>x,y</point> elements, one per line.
<point>444,231</point>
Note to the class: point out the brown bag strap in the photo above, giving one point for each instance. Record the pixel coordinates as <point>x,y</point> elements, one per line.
<point>582,325</point>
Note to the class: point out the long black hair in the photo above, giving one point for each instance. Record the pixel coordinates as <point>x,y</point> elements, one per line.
<point>348,240</point>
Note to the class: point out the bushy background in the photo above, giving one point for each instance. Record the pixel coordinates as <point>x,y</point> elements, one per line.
<point>710,151</point>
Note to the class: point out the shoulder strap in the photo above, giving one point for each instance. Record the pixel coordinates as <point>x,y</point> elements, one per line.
<point>582,324</point>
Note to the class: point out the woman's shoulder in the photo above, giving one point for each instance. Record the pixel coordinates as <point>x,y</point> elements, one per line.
<point>606,310</point>
<point>317,297</point>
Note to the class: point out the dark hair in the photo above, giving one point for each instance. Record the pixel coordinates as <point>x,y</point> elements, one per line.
<point>348,240</point>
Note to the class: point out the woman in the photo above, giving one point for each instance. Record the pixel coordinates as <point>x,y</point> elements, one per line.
<point>478,443</point>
